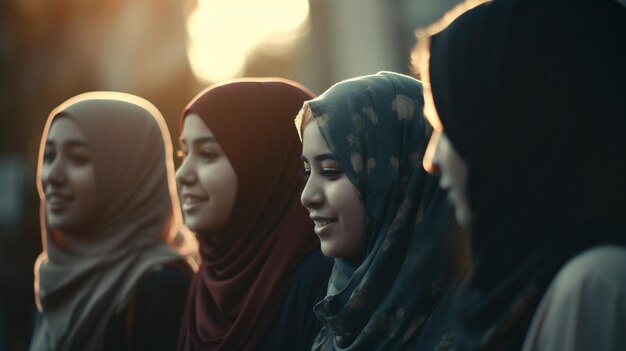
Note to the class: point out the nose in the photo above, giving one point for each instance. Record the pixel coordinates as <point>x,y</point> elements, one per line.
<point>312,196</point>
<point>54,173</point>
<point>185,174</point>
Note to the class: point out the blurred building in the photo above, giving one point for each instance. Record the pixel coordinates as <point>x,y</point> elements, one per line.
<point>51,50</point>
<point>348,38</point>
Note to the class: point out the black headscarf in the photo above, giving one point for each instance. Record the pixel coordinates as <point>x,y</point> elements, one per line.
<point>531,94</point>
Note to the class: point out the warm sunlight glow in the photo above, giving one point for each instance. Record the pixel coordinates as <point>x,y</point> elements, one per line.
<point>223,32</point>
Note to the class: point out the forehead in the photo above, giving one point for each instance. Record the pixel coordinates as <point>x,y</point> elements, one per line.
<point>194,127</point>
<point>313,142</point>
<point>63,129</point>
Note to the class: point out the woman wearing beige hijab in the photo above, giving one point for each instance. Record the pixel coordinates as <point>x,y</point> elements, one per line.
<point>116,263</point>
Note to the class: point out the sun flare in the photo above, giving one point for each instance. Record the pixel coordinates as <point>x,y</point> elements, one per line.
<point>222,32</point>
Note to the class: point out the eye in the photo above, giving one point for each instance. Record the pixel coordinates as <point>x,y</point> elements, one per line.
<point>331,173</point>
<point>80,158</point>
<point>208,155</point>
<point>48,156</point>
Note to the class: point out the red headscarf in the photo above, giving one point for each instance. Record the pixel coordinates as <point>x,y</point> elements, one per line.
<point>246,270</point>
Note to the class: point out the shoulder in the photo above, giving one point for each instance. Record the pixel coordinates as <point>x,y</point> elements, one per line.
<point>171,275</point>
<point>314,265</point>
<point>599,270</point>
<point>582,308</point>
<point>592,280</point>
<point>296,325</point>
<point>162,291</point>
<point>158,307</point>
<point>310,280</point>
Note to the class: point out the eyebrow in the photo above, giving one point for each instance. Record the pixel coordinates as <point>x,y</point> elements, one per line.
<point>71,143</point>
<point>319,158</point>
<point>201,140</point>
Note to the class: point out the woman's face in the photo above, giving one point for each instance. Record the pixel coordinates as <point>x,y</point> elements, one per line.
<point>207,181</point>
<point>330,197</point>
<point>68,178</point>
<point>453,178</point>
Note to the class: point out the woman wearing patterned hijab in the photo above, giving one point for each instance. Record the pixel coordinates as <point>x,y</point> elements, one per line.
<point>398,257</point>
<point>115,267</point>
<point>261,271</point>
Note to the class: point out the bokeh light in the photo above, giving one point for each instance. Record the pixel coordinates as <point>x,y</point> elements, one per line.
<point>222,33</point>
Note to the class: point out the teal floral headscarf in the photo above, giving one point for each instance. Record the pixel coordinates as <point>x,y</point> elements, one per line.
<point>398,293</point>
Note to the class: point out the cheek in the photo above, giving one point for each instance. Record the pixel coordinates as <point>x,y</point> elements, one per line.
<point>228,193</point>
<point>81,183</point>
<point>218,180</point>
<point>84,181</point>
<point>343,196</point>
<point>220,183</point>
<point>350,210</point>
<point>354,225</point>
<point>44,175</point>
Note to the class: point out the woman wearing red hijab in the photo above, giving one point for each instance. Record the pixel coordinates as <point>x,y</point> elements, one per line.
<point>261,271</point>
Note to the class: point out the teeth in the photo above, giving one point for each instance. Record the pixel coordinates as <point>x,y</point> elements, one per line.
<point>58,199</point>
<point>323,222</point>
<point>193,199</point>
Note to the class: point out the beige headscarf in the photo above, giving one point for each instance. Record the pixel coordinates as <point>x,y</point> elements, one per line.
<point>80,281</point>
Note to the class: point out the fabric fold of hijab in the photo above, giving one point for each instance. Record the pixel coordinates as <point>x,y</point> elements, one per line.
<point>246,268</point>
<point>530,93</point>
<point>387,300</point>
<point>81,280</point>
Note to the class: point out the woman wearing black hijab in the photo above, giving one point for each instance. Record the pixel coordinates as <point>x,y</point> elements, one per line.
<point>527,99</point>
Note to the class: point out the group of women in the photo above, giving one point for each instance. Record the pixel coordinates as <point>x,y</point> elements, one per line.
<point>337,232</point>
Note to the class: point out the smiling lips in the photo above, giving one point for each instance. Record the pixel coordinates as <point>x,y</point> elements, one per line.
<point>58,202</point>
<point>191,202</point>
<point>322,224</point>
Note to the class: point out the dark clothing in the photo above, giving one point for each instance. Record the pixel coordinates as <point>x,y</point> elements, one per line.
<point>152,320</point>
<point>530,93</point>
<point>296,325</point>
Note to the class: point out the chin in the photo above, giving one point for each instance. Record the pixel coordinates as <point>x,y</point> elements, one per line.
<point>328,251</point>
<point>203,227</point>
<point>333,252</point>
<point>70,228</point>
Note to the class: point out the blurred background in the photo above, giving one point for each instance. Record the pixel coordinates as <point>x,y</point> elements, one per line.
<point>165,51</point>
